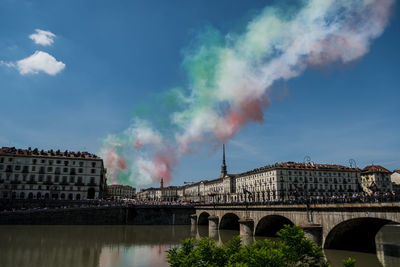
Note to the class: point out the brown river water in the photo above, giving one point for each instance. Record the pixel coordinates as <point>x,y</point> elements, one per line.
<point>137,245</point>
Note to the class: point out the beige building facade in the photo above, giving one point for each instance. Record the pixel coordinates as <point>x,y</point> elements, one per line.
<point>375,178</point>
<point>117,191</point>
<point>37,174</point>
<point>288,180</point>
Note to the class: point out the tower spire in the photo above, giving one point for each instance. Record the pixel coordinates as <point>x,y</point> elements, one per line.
<point>223,166</point>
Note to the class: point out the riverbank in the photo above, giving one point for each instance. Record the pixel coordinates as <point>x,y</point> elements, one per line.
<point>103,215</point>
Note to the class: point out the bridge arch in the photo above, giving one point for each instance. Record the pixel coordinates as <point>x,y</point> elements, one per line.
<point>203,218</point>
<point>229,221</point>
<point>355,234</point>
<point>269,225</point>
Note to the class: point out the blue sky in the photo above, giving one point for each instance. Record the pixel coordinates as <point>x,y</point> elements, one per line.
<point>119,54</point>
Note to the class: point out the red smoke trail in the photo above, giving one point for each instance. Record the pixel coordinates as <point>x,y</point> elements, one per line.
<point>248,110</point>
<point>164,162</point>
<point>112,159</point>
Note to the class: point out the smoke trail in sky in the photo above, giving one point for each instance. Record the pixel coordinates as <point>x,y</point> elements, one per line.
<point>230,78</point>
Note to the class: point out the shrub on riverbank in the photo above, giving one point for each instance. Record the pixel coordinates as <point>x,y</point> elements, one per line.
<point>292,249</point>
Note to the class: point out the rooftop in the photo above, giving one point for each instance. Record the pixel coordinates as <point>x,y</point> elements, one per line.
<point>375,168</point>
<point>12,151</point>
<point>290,165</point>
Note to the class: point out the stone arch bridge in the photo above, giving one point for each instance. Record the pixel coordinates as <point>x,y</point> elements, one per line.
<point>335,226</point>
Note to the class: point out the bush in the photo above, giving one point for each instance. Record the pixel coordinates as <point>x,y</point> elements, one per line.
<point>292,249</point>
<point>349,262</point>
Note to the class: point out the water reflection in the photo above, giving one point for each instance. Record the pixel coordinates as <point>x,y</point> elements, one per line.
<point>107,246</point>
<point>388,245</point>
<point>87,245</point>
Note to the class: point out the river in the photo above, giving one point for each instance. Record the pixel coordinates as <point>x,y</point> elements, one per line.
<point>136,245</point>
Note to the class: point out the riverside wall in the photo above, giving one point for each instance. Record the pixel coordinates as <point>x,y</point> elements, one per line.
<point>132,215</point>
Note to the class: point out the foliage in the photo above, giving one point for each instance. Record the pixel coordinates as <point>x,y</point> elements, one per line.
<point>349,262</point>
<point>292,249</point>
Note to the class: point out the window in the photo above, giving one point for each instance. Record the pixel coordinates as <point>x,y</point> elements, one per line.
<point>1,160</point>
<point>66,163</point>
<point>42,161</point>
<point>93,164</point>
<point>58,161</point>
<point>72,179</point>
<point>64,179</point>
<point>10,159</point>
<point>33,168</point>
<point>50,162</point>
<point>57,179</point>
<point>41,170</point>
<point>1,167</point>
<point>49,169</point>
<point>80,163</point>
<point>41,178</point>
<point>65,170</point>
<point>80,170</point>
<point>34,161</point>
<point>93,171</point>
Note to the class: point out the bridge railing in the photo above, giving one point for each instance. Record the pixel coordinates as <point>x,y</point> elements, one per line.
<point>311,201</point>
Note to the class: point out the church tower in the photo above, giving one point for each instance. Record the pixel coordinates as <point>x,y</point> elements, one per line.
<point>162,183</point>
<point>223,166</point>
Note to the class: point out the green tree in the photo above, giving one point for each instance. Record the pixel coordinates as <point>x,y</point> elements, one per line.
<point>292,249</point>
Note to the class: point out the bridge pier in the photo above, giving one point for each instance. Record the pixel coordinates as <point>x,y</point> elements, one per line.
<point>246,227</point>
<point>313,232</point>
<point>213,223</point>
<point>246,231</point>
<point>193,219</point>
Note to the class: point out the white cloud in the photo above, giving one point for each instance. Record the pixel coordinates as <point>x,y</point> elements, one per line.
<point>41,37</point>
<point>40,61</point>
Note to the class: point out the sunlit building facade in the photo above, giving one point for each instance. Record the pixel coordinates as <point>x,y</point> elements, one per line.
<point>376,179</point>
<point>38,174</point>
<point>117,191</point>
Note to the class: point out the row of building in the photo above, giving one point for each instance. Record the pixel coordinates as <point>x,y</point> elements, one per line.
<point>280,181</point>
<point>37,174</point>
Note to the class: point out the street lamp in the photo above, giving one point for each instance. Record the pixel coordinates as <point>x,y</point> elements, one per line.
<point>245,191</point>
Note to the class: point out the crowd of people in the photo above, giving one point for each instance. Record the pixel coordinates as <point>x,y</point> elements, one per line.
<point>10,205</point>
<point>334,199</point>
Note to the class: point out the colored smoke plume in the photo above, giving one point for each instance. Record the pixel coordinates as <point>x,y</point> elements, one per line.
<point>230,77</point>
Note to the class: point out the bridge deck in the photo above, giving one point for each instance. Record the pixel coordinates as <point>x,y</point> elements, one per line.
<point>393,205</point>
